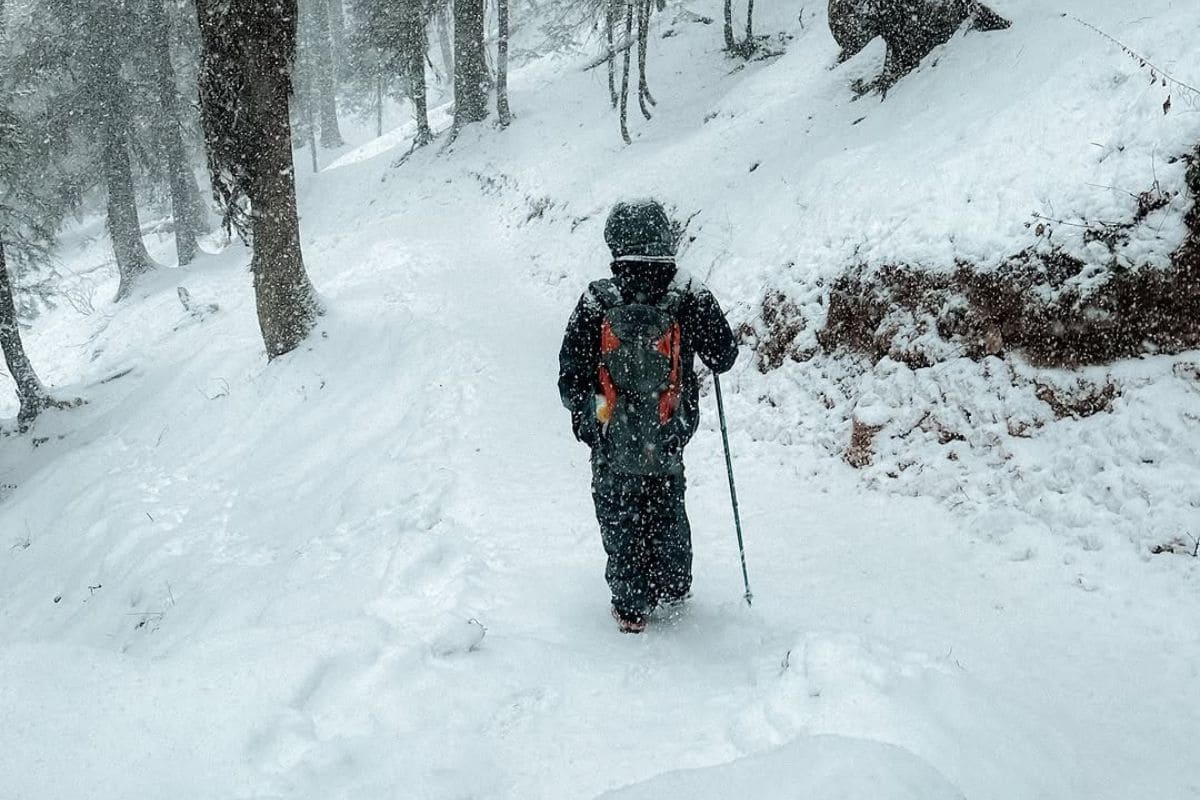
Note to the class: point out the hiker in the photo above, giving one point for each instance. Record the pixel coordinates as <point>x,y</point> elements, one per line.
<point>626,374</point>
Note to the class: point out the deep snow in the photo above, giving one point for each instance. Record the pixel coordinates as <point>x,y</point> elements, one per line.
<point>371,569</point>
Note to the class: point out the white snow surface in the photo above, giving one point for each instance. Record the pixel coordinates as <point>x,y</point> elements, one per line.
<point>816,767</point>
<point>371,569</point>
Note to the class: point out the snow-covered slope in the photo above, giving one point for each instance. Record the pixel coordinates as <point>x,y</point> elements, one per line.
<point>371,569</point>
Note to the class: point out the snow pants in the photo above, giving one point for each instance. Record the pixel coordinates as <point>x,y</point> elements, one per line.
<point>646,534</point>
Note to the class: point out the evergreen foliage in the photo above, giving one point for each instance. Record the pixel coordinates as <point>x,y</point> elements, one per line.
<point>389,41</point>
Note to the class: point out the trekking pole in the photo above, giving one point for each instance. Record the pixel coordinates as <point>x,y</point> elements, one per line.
<point>737,518</point>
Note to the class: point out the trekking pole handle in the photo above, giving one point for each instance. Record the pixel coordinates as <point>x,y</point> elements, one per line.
<point>737,517</point>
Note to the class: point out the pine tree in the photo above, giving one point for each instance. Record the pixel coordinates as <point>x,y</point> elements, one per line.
<point>337,32</point>
<point>391,40</point>
<point>415,44</point>
<point>24,222</point>
<point>30,393</point>
<point>611,8</point>
<point>104,82</point>
<point>503,113</point>
<point>76,68</point>
<point>441,17</point>
<point>471,77</point>
<point>248,53</point>
<point>730,42</point>
<point>123,223</point>
<point>186,205</point>
<point>100,72</point>
<point>324,72</point>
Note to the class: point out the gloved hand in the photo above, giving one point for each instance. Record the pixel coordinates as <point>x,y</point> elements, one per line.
<point>584,428</point>
<point>678,433</point>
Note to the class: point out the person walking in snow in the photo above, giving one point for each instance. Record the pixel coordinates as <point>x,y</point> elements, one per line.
<point>627,375</point>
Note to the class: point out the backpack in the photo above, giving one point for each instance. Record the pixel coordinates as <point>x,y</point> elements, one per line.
<point>639,413</point>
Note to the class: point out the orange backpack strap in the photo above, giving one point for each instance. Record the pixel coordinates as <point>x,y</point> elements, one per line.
<point>669,346</point>
<point>608,390</point>
<point>608,338</point>
<point>605,295</point>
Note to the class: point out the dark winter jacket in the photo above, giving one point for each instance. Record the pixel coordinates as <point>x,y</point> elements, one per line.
<point>705,331</point>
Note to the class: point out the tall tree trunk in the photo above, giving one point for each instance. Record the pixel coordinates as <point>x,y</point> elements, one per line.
<point>730,42</point>
<point>415,46</point>
<point>304,93</point>
<point>286,303</point>
<point>324,76</point>
<point>285,300</point>
<point>310,131</point>
<point>645,99</point>
<point>32,396</point>
<point>745,48</point>
<point>249,49</point>
<point>443,30</point>
<point>502,110</point>
<point>625,72</point>
<point>379,103</point>
<point>610,22</point>
<point>471,76</point>
<point>186,206</point>
<point>124,226</point>
<point>337,32</point>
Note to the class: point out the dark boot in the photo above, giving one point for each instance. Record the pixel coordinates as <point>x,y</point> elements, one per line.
<point>629,623</point>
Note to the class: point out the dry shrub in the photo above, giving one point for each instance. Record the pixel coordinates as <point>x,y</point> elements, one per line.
<point>1178,546</point>
<point>862,444</point>
<point>1187,370</point>
<point>1084,401</point>
<point>1030,303</point>
<point>774,341</point>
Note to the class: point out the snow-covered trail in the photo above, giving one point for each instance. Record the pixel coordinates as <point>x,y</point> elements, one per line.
<point>414,472</point>
<point>877,618</point>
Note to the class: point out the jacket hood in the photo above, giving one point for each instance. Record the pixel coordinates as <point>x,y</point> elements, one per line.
<point>639,228</point>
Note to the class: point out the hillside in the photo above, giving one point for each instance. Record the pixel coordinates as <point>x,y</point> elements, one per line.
<point>371,568</point>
